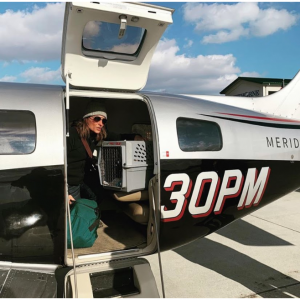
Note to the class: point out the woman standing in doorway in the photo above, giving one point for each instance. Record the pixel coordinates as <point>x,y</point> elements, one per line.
<point>89,130</point>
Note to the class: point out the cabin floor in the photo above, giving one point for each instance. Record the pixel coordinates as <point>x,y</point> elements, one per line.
<point>118,232</point>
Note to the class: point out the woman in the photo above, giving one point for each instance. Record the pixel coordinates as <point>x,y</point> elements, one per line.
<point>90,128</point>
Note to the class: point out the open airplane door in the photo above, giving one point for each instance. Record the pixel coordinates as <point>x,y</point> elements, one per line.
<point>108,47</point>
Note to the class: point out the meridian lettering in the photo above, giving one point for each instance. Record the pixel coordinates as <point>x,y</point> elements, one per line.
<point>270,142</point>
<point>278,142</point>
<point>233,184</point>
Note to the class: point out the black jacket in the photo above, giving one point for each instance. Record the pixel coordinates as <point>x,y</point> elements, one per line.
<point>77,157</point>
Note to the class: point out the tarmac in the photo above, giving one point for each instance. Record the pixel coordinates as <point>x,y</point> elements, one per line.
<point>254,257</point>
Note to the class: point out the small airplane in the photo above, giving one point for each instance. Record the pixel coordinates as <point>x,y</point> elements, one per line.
<point>202,161</point>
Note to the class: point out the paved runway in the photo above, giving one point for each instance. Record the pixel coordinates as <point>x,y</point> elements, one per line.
<point>257,257</point>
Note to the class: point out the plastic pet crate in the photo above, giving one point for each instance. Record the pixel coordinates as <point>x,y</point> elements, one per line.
<point>125,165</point>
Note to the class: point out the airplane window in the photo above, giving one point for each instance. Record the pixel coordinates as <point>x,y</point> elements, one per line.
<point>198,135</point>
<point>17,132</point>
<point>104,37</point>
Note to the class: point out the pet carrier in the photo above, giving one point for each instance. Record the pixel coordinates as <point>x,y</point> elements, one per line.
<point>126,165</point>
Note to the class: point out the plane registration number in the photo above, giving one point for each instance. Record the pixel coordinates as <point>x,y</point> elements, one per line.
<point>233,184</point>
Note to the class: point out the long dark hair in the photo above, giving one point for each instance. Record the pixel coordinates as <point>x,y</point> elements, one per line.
<point>84,131</point>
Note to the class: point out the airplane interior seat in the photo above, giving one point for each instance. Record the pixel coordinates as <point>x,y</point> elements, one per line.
<point>135,205</point>
<point>138,212</point>
<point>130,197</point>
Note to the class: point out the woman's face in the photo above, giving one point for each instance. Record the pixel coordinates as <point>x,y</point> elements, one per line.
<point>95,123</point>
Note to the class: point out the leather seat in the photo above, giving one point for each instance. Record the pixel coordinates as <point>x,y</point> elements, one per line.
<point>130,197</point>
<point>138,212</point>
<point>135,205</point>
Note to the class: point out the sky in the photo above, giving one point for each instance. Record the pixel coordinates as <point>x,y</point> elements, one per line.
<point>207,47</point>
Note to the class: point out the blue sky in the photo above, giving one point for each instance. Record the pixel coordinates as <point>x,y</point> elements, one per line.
<point>207,47</point>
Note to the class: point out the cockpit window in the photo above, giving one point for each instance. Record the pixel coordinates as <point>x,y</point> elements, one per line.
<point>198,135</point>
<point>104,37</point>
<point>17,132</point>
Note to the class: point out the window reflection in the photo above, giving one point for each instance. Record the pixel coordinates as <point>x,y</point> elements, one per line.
<point>103,37</point>
<point>198,135</point>
<point>17,132</point>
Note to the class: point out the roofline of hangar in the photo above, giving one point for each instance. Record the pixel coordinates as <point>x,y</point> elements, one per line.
<point>259,80</point>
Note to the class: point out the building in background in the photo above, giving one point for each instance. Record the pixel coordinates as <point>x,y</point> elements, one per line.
<point>254,87</point>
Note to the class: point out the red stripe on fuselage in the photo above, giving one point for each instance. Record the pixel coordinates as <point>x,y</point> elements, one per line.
<point>261,118</point>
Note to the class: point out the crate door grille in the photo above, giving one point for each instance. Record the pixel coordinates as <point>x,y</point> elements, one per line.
<point>112,157</point>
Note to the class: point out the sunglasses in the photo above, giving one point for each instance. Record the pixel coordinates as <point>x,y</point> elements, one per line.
<point>98,119</point>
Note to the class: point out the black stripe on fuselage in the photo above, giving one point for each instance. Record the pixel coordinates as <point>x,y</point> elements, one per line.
<point>273,125</point>
<point>283,179</point>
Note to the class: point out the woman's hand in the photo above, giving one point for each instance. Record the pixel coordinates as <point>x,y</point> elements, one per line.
<point>71,199</point>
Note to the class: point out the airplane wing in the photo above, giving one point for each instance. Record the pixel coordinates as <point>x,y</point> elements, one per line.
<point>285,103</point>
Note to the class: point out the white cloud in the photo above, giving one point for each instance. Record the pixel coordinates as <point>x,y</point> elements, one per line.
<point>92,29</point>
<point>250,74</point>
<point>176,73</point>
<point>271,20</point>
<point>219,16</point>
<point>225,36</point>
<point>8,79</point>
<point>188,44</point>
<point>232,21</point>
<point>32,36</point>
<point>41,75</point>
<point>125,48</point>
